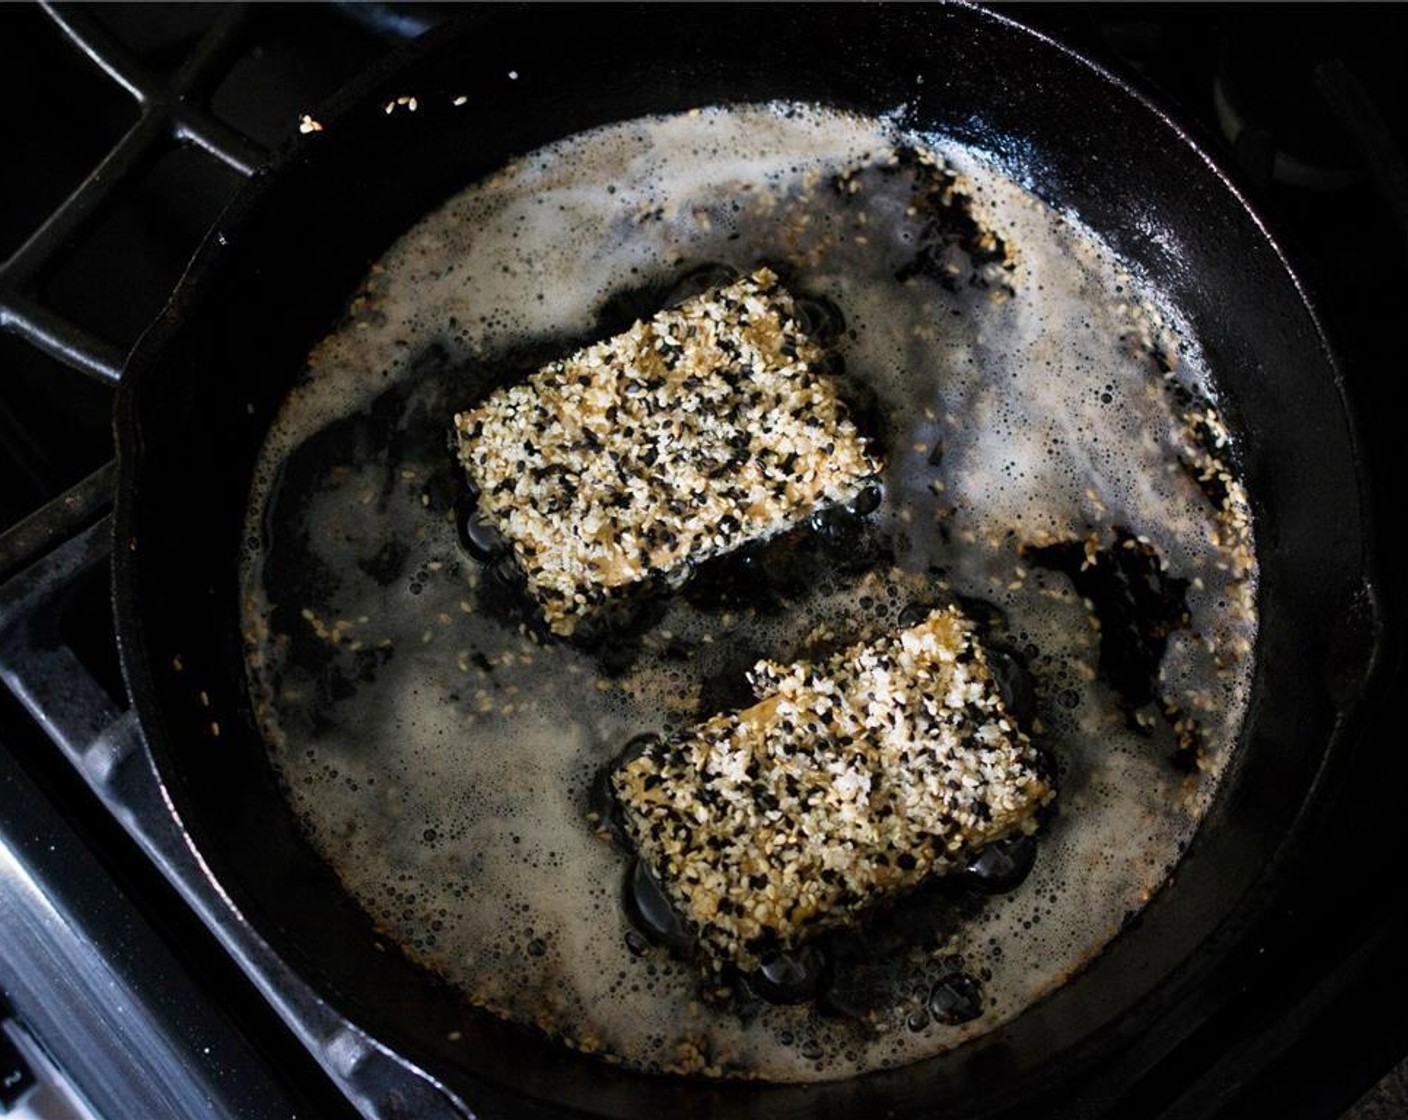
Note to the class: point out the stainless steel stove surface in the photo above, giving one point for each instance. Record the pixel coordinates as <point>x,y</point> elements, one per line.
<point>126,988</point>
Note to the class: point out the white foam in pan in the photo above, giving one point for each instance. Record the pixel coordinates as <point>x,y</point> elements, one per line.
<point>441,760</point>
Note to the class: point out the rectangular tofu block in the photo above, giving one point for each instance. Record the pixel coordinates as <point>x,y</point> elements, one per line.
<point>850,780</point>
<point>705,428</point>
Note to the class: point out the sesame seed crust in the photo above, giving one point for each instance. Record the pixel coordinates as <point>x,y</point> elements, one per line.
<point>705,428</point>
<point>849,781</point>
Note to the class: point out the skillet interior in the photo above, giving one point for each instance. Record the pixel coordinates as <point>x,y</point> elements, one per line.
<point>199,394</point>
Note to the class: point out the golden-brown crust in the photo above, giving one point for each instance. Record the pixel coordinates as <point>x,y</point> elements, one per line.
<point>705,428</point>
<point>849,781</point>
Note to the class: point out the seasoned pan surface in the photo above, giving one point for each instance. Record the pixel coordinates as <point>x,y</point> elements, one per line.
<point>204,373</point>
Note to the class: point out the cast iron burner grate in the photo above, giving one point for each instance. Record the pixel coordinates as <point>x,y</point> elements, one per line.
<point>133,1048</point>
<point>173,109</point>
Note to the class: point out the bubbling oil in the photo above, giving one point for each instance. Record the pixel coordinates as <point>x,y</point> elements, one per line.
<point>441,754</point>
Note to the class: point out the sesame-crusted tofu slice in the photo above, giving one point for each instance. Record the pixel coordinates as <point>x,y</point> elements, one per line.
<point>852,780</point>
<point>683,438</point>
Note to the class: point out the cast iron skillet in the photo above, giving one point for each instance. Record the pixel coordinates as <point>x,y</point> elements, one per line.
<point>271,279</point>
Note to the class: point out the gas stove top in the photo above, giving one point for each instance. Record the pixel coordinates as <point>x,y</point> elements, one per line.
<point>123,991</point>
